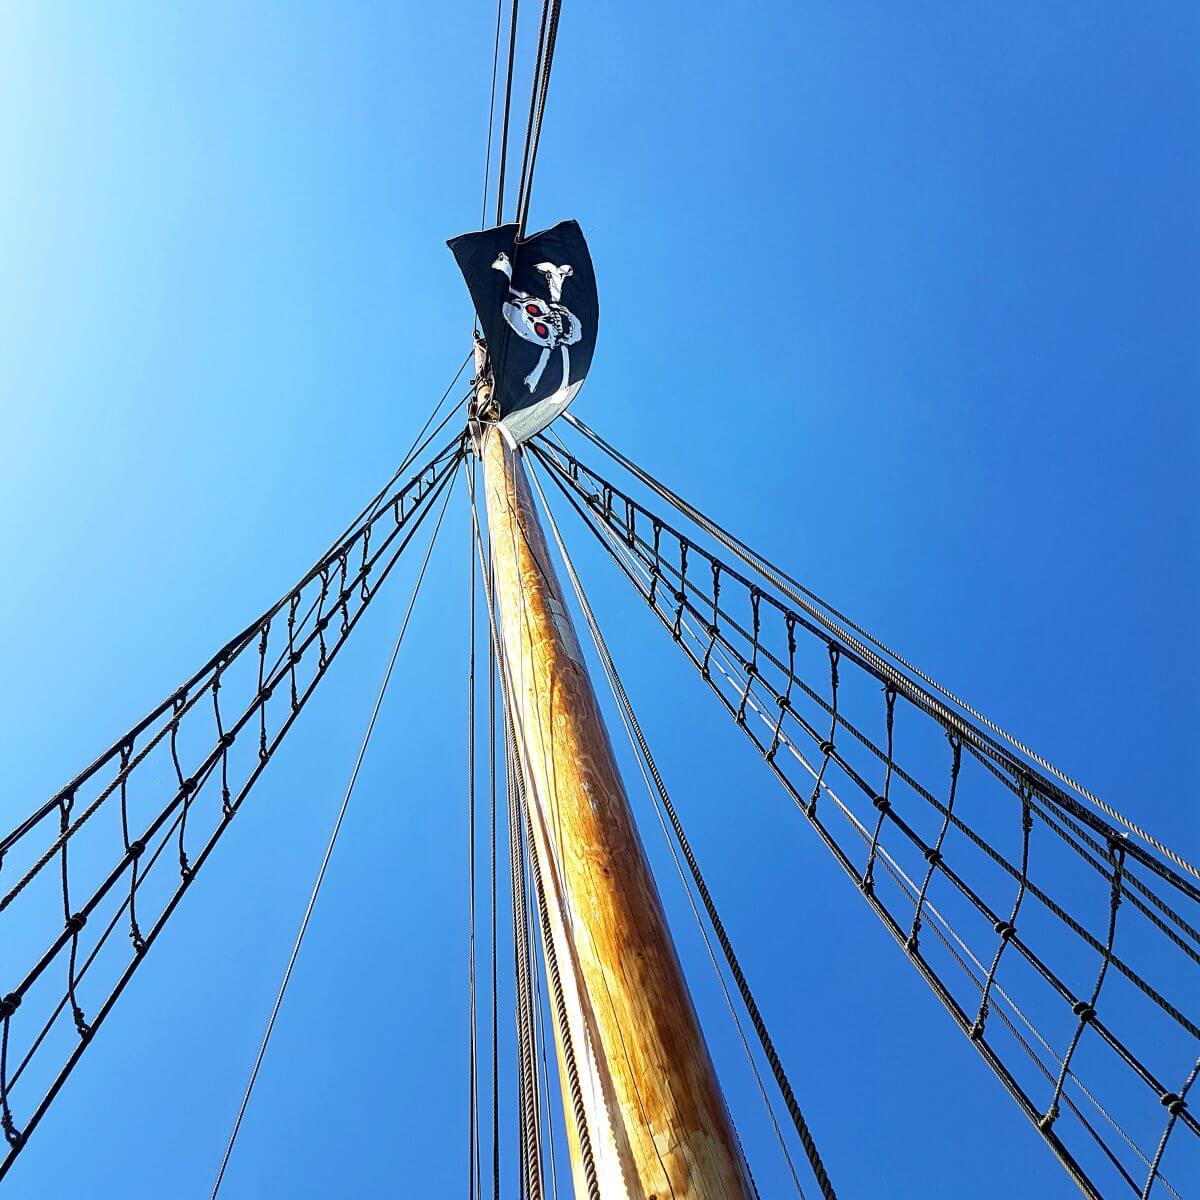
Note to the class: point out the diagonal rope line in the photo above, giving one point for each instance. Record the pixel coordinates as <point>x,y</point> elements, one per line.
<point>646,762</point>
<point>333,836</point>
<point>830,616</point>
<point>620,552</point>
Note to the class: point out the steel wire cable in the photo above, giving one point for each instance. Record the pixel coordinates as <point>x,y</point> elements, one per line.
<point>547,38</point>
<point>487,159</point>
<point>830,616</point>
<point>329,848</point>
<point>474,1183</point>
<point>512,50</point>
<point>236,643</point>
<point>646,762</point>
<point>1124,846</point>
<point>599,512</point>
<point>173,815</point>
<point>177,705</point>
<point>566,1039</point>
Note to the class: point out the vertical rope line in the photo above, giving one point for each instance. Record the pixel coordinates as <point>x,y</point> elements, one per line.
<point>526,1060</point>
<point>512,49</point>
<point>487,159</point>
<point>473,1176</point>
<point>492,854</point>
<point>533,99</point>
<point>570,1061</point>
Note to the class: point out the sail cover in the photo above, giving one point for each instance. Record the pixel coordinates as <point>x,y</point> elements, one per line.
<point>537,304</point>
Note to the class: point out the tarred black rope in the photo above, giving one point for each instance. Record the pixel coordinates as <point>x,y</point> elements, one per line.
<point>530,1144</point>
<point>512,51</point>
<point>755,1013</point>
<point>601,508</point>
<point>169,821</point>
<point>1006,930</point>
<point>547,37</point>
<point>235,646</point>
<point>1085,1010</point>
<point>487,158</point>
<point>587,1157</point>
<point>473,1165</point>
<point>330,844</point>
<point>935,855</point>
<point>829,617</point>
<point>659,569</point>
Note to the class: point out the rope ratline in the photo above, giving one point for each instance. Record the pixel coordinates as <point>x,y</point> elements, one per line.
<point>918,851</point>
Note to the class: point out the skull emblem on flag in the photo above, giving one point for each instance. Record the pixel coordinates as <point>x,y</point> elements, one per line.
<point>518,287</point>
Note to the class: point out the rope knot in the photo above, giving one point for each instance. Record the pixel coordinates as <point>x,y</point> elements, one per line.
<point>10,1004</point>
<point>1005,929</point>
<point>137,848</point>
<point>76,922</point>
<point>1083,1010</point>
<point>1172,1103</point>
<point>14,1137</point>
<point>882,803</point>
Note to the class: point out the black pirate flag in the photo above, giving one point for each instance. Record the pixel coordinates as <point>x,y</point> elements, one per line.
<point>537,303</point>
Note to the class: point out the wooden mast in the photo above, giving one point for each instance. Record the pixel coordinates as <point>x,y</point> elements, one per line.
<point>655,1115</point>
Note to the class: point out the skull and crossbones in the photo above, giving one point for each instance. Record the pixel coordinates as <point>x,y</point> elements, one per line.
<point>549,324</point>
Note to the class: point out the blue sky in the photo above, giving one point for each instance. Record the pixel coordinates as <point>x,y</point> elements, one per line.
<point>907,297</point>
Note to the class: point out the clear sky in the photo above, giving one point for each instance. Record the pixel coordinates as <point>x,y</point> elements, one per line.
<point>906,295</point>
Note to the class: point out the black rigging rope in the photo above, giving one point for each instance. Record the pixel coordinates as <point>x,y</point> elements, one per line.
<point>512,50</point>
<point>634,726</point>
<point>547,37</point>
<point>487,158</point>
<point>474,1185</point>
<point>557,992</point>
<point>492,665</point>
<point>824,611</point>
<point>761,685</point>
<point>251,705</point>
<point>333,836</point>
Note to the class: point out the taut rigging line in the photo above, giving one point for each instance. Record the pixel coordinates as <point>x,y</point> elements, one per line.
<point>157,778</point>
<point>329,847</point>
<point>830,617</point>
<point>693,594</point>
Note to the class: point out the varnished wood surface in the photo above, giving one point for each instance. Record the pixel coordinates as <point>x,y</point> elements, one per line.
<point>656,1117</point>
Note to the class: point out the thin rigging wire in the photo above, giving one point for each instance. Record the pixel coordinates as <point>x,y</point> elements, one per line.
<point>547,40</point>
<point>566,1042</point>
<point>802,595</point>
<point>487,161</point>
<point>645,761</point>
<point>492,842</point>
<point>473,1172</point>
<point>534,91</point>
<point>517,530</point>
<point>620,553</point>
<point>410,454</point>
<point>333,836</point>
<point>512,49</point>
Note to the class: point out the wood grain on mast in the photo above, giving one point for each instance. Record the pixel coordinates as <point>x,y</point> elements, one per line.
<point>656,1118</point>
